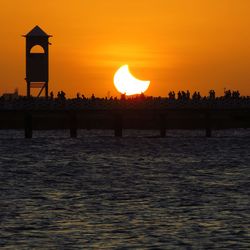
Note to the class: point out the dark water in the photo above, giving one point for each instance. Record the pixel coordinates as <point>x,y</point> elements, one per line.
<point>100,192</point>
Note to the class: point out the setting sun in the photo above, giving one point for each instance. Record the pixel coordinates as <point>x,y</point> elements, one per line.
<point>127,84</point>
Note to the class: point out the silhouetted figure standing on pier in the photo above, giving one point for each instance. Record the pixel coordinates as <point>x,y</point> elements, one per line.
<point>179,95</point>
<point>228,94</point>
<point>212,94</point>
<point>171,95</point>
<point>123,97</point>
<point>236,94</point>
<point>61,95</point>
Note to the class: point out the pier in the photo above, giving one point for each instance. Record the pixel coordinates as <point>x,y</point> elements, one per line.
<point>120,119</point>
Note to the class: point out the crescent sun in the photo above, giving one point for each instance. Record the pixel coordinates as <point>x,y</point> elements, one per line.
<point>127,84</point>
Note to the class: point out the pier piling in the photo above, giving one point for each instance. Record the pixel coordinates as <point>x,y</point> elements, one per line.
<point>73,125</point>
<point>28,126</point>
<point>208,132</point>
<point>208,125</point>
<point>162,126</point>
<point>118,125</point>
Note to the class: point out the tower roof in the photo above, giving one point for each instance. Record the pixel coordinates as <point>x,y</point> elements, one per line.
<point>37,32</point>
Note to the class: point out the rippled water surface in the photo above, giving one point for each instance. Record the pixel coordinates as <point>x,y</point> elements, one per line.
<point>137,192</point>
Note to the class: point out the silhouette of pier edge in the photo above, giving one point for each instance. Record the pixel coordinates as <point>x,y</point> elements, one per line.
<point>181,110</point>
<point>159,114</point>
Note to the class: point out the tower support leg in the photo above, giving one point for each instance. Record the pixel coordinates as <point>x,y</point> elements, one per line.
<point>28,89</point>
<point>47,90</point>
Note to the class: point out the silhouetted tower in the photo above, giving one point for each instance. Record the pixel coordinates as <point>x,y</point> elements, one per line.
<point>37,61</point>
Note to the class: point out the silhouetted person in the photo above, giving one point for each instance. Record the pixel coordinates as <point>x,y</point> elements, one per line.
<point>142,96</point>
<point>171,95</point>
<point>51,95</point>
<point>123,97</point>
<point>236,94</point>
<point>179,95</point>
<point>183,95</point>
<point>228,94</point>
<point>212,94</point>
<point>194,96</point>
<point>63,95</point>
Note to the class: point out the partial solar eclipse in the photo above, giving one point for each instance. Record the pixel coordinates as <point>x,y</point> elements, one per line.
<point>127,84</point>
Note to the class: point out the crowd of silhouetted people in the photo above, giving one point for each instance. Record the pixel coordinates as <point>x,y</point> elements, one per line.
<point>181,99</point>
<point>186,95</point>
<point>180,96</point>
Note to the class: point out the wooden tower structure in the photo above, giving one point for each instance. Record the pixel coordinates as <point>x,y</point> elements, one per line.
<point>37,61</point>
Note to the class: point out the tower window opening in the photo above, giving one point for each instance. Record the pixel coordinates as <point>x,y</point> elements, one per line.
<point>37,49</point>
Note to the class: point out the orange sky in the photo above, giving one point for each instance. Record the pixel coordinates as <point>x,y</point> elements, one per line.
<point>177,44</point>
